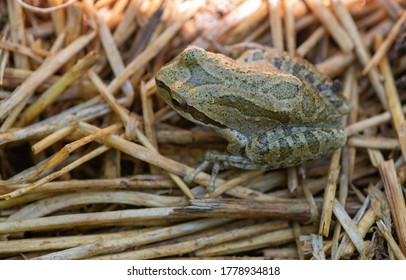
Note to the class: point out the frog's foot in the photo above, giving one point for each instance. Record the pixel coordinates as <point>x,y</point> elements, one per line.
<point>202,167</point>
<point>220,161</point>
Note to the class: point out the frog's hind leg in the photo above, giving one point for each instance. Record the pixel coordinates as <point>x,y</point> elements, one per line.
<point>307,72</point>
<point>291,146</point>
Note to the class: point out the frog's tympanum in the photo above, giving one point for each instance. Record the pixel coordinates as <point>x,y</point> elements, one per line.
<point>274,110</point>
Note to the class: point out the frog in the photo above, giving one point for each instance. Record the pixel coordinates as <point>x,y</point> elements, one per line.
<point>275,110</point>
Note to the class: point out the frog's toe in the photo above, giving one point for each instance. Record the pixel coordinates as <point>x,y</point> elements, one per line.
<point>188,179</point>
<point>202,167</point>
<point>214,172</point>
<point>191,176</point>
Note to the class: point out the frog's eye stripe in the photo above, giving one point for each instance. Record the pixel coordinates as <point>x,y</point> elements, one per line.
<point>202,117</point>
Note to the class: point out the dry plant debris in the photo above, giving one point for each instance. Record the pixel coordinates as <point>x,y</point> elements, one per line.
<point>92,159</point>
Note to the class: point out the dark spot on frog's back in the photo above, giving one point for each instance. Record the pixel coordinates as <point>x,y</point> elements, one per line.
<point>297,68</point>
<point>277,62</point>
<point>285,148</point>
<point>327,87</point>
<point>310,78</point>
<point>258,55</point>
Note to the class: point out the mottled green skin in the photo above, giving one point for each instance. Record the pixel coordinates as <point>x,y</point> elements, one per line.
<point>254,53</point>
<point>273,116</point>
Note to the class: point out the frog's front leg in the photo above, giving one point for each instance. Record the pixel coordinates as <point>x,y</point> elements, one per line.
<point>232,158</point>
<point>287,146</point>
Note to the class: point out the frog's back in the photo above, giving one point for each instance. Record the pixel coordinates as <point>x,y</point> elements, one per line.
<point>264,97</point>
<point>294,65</point>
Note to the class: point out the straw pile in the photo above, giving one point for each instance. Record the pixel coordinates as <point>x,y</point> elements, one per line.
<point>92,158</point>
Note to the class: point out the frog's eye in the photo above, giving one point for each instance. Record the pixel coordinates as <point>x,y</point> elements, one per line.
<point>182,104</point>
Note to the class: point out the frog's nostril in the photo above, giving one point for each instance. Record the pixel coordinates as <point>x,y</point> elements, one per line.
<point>159,83</point>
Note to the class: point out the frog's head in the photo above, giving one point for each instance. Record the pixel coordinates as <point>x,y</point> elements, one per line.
<point>170,81</point>
<point>177,83</point>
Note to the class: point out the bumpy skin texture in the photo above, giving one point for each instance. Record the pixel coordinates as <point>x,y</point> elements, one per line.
<point>297,66</point>
<point>274,110</point>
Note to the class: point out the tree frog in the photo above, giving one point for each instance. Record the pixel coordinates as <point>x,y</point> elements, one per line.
<point>275,110</point>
